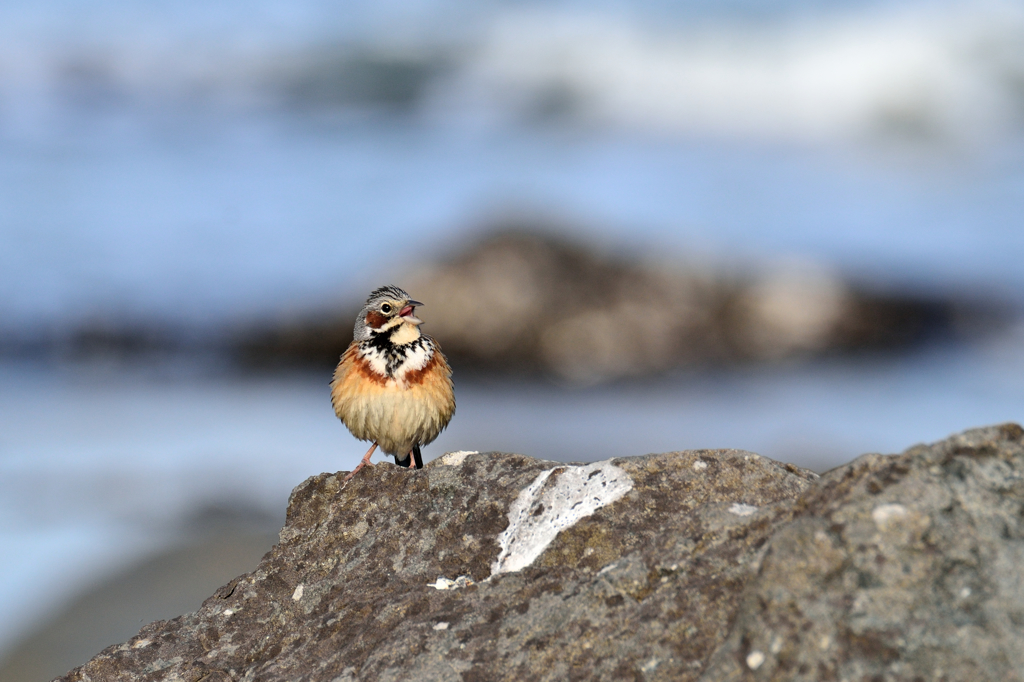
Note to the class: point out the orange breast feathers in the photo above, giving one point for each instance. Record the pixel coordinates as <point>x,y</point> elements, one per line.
<point>399,412</point>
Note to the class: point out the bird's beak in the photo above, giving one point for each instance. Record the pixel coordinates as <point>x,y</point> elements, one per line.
<point>406,313</point>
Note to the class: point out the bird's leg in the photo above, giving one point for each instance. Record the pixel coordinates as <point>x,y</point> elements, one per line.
<point>364,463</point>
<point>413,460</point>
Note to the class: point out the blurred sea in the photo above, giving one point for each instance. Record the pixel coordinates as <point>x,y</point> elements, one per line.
<point>200,165</point>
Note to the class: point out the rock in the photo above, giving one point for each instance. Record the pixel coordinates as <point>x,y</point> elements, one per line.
<point>520,300</point>
<point>894,568</point>
<point>523,301</point>
<point>710,565</point>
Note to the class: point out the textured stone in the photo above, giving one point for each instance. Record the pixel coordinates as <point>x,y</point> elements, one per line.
<point>895,568</point>
<point>714,565</point>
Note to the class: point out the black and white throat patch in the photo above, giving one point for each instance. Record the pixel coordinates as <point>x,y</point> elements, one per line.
<point>394,360</point>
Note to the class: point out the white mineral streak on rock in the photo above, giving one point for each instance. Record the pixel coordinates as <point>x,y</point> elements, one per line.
<point>698,465</point>
<point>650,665</point>
<point>454,459</point>
<point>443,583</point>
<point>297,594</point>
<point>884,513</point>
<point>755,659</point>
<point>542,510</point>
<point>441,626</point>
<point>740,509</point>
<point>142,644</point>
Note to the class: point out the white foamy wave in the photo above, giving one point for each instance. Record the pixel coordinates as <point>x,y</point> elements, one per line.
<point>934,72</point>
<point>948,73</point>
<point>118,53</point>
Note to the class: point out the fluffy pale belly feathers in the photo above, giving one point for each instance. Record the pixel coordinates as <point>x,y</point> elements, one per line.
<point>397,413</point>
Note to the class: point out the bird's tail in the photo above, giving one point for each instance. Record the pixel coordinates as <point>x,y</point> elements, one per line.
<point>416,456</point>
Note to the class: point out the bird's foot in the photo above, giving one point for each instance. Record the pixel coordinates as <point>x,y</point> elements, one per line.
<point>357,470</point>
<point>364,462</point>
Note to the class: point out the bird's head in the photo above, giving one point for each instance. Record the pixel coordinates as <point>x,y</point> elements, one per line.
<point>388,309</point>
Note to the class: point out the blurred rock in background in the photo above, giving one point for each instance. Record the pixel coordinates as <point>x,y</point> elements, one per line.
<point>216,544</point>
<point>523,301</point>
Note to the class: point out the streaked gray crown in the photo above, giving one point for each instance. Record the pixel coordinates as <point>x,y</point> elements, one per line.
<point>383,294</point>
<point>377,296</point>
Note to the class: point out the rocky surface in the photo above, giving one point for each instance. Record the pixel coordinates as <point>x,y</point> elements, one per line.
<point>902,568</point>
<point>524,301</point>
<point>699,565</point>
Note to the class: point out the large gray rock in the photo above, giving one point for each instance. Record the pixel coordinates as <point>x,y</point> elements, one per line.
<point>894,568</point>
<point>520,300</point>
<point>711,564</point>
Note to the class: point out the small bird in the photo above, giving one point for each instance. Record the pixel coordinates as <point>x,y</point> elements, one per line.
<point>393,385</point>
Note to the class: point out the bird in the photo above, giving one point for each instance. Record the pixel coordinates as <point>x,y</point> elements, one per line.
<point>393,384</point>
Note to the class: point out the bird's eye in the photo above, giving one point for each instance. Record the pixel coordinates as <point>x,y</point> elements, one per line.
<point>386,308</point>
